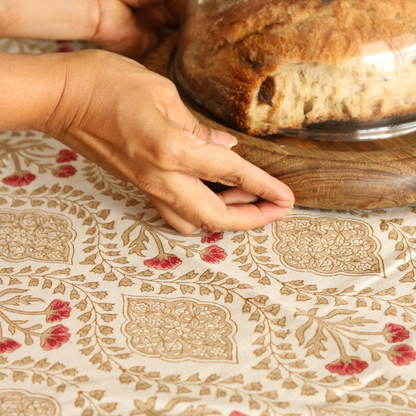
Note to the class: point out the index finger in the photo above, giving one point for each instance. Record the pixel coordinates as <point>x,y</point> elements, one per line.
<point>218,164</point>
<point>193,205</point>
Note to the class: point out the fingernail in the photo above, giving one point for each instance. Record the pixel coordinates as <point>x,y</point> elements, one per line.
<point>250,199</point>
<point>283,214</point>
<point>223,139</point>
<point>284,204</point>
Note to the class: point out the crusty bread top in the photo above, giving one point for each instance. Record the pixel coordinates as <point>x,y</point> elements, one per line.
<point>234,51</point>
<point>325,31</point>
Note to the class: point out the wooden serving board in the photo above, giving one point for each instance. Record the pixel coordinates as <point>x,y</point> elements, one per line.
<point>322,174</point>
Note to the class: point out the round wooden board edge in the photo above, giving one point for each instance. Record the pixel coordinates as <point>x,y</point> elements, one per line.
<point>319,178</point>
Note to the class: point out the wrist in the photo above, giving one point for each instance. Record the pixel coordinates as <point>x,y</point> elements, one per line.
<point>75,94</point>
<point>49,19</point>
<point>31,87</point>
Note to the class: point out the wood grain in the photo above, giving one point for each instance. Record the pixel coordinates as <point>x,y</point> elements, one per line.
<point>322,174</point>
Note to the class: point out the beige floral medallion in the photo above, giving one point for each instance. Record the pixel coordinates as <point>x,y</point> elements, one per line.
<point>23,403</point>
<point>35,235</point>
<point>179,329</point>
<point>353,411</point>
<point>327,245</point>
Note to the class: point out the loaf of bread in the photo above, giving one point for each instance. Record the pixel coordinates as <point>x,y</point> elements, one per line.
<point>269,65</point>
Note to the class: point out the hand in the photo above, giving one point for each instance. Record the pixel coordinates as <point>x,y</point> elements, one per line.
<point>133,27</point>
<point>131,122</point>
<point>129,27</point>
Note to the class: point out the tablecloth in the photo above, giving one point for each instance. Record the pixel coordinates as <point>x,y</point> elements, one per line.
<point>106,310</point>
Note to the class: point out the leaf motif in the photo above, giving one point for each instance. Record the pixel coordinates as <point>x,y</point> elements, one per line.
<point>273,309</point>
<point>409,230</point>
<point>125,236</point>
<point>300,333</point>
<point>262,365</point>
<point>42,363</point>
<point>232,380</point>
<point>238,238</point>
<point>388,292</point>
<point>331,397</point>
<point>378,398</point>
<point>398,401</point>
<point>390,311</point>
<point>289,384</point>
<point>255,274</point>
<point>337,312</point>
<point>316,344</point>
<point>308,390</point>
<point>19,376</point>
<point>255,316</point>
<point>352,398</point>
<point>240,250</point>
<point>187,289</point>
<point>28,339</point>
<point>253,404</point>
<point>245,267</point>
<point>408,278</point>
<point>259,351</point>
<point>242,259</point>
<point>377,382</point>
<point>236,398</point>
<point>275,374</point>
<point>286,291</point>
<point>393,235</point>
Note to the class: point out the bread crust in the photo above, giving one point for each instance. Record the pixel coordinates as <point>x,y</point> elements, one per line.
<point>231,55</point>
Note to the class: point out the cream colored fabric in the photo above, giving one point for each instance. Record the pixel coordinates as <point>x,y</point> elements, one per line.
<point>105,310</point>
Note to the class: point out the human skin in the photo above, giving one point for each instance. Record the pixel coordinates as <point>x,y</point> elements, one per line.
<point>127,119</point>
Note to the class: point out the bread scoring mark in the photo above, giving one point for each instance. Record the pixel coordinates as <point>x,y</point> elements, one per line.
<point>267,91</point>
<point>256,65</point>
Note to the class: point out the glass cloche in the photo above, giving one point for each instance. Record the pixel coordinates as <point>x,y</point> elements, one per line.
<point>331,69</point>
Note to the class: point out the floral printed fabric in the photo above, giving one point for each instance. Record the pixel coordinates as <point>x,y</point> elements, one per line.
<point>105,310</point>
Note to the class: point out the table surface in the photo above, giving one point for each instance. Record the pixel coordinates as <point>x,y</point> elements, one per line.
<point>105,310</point>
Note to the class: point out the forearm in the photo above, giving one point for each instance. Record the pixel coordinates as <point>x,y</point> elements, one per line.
<point>49,19</point>
<point>30,89</point>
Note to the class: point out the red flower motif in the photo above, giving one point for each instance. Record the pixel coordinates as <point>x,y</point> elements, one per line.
<point>65,171</point>
<point>55,337</point>
<point>347,367</point>
<point>163,262</point>
<point>210,237</point>
<point>57,310</point>
<point>213,254</point>
<point>66,156</point>
<point>395,333</point>
<point>8,345</point>
<point>22,179</point>
<point>401,354</point>
<point>235,413</point>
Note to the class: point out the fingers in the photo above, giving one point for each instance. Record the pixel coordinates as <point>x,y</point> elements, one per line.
<point>218,164</point>
<point>237,196</point>
<point>182,159</point>
<point>200,208</point>
<point>199,159</point>
<point>171,217</point>
<point>187,204</point>
<point>195,206</point>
